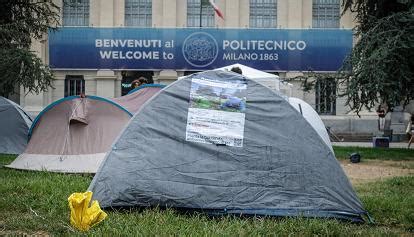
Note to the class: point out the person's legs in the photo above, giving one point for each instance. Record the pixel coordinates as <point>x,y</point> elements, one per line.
<point>381,124</point>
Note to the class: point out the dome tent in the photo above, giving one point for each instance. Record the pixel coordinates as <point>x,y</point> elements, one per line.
<point>145,86</point>
<point>73,134</point>
<point>272,81</point>
<point>312,117</point>
<point>264,160</point>
<point>138,96</point>
<point>14,127</point>
<point>269,80</point>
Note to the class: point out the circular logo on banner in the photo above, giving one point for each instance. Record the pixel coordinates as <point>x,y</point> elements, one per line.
<point>200,49</point>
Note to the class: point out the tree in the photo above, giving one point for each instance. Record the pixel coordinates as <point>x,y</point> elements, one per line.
<point>21,22</point>
<point>380,67</point>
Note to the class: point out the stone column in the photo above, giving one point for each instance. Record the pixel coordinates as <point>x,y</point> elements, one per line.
<point>282,14</point>
<point>119,13</point>
<point>169,17</point>
<point>105,83</point>
<point>31,103</point>
<point>297,90</point>
<point>118,82</point>
<point>34,103</point>
<point>231,11</point>
<point>157,13</point>
<point>94,13</point>
<point>244,13</point>
<point>294,14</point>
<point>181,13</point>
<point>306,14</point>
<point>166,77</point>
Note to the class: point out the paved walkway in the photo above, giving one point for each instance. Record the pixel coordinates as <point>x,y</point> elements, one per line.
<point>369,144</point>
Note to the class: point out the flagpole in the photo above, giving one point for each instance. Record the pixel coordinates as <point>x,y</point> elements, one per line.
<point>201,11</point>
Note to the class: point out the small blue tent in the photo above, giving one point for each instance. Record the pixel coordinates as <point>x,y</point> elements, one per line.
<point>14,127</point>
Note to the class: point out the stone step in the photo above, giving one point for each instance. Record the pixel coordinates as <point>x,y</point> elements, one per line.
<point>352,137</point>
<point>364,137</point>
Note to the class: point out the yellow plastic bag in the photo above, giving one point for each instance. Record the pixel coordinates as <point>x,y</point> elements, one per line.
<point>83,216</point>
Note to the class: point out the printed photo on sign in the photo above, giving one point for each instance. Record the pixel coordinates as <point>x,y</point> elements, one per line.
<point>215,95</point>
<point>217,112</point>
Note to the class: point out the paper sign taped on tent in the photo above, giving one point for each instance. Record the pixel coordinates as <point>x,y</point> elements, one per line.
<point>217,112</point>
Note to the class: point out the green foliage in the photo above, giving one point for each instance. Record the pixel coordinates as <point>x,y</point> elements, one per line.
<point>369,11</point>
<point>21,22</point>
<point>36,203</point>
<point>310,79</point>
<point>380,67</point>
<point>23,67</point>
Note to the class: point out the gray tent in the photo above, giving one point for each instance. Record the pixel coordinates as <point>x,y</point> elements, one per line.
<point>14,127</point>
<point>222,143</point>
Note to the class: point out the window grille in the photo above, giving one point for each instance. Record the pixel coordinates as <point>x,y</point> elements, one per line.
<point>74,85</point>
<point>325,14</point>
<point>75,12</point>
<point>138,13</point>
<point>325,95</point>
<point>197,9</point>
<point>263,13</point>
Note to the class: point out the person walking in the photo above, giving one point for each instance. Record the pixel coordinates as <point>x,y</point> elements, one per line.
<point>381,117</point>
<point>410,130</point>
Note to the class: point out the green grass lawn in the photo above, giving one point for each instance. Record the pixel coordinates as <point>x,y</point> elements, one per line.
<point>375,153</point>
<point>36,202</point>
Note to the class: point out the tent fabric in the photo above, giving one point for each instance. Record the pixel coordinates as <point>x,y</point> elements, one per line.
<point>282,168</point>
<point>146,86</point>
<point>70,98</point>
<point>73,135</point>
<point>272,81</point>
<point>14,127</point>
<point>250,72</point>
<point>79,112</point>
<point>138,96</point>
<point>267,79</point>
<point>82,163</point>
<point>312,117</point>
<point>27,118</point>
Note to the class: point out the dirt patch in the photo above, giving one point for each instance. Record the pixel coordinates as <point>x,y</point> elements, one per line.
<point>374,170</point>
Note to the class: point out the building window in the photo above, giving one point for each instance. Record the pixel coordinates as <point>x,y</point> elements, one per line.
<point>263,13</point>
<point>75,12</point>
<point>199,13</point>
<point>325,96</point>
<point>74,85</point>
<point>325,14</point>
<point>138,13</point>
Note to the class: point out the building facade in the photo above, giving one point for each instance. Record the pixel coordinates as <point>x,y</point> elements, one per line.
<point>179,15</point>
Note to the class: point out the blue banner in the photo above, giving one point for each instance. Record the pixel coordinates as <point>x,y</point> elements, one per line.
<point>198,49</point>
